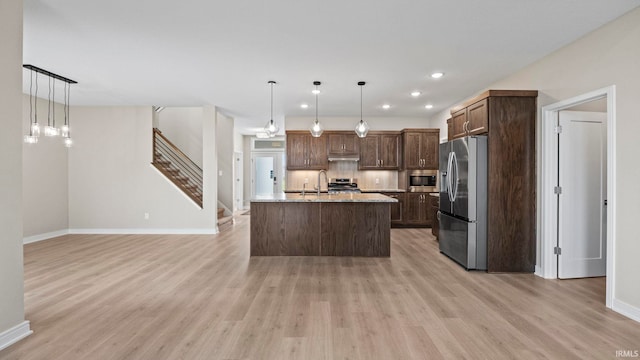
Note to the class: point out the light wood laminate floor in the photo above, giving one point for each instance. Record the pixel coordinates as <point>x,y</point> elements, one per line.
<point>202,297</point>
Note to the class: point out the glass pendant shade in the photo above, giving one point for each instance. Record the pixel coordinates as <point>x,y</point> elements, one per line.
<point>316,129</point>
<point>64,131</point>
<point>51,131</point>
<point>271,128</point>
<point>35,129</point>
<point>68,142</point>
<point>30,139</point>
<point>362,128</point>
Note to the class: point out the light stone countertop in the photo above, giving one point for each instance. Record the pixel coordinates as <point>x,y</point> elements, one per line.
<point>313,197</point>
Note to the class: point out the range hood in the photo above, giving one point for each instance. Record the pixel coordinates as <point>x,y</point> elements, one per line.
<point>344,157</point>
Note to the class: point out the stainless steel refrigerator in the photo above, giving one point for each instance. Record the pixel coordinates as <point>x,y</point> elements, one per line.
<point>463,201</point>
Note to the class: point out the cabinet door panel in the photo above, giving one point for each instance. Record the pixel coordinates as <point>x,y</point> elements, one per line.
<point>412,150</point>
<point>317,153</point>
<point>389,151</point>
<point>351,143</point>
<point>397,209</point>
<point>458,119</point>
<point>430,150</point>
<point>335,144</point>
<point>296,151</point>
<point>369,152</point>
<point>478,117</point>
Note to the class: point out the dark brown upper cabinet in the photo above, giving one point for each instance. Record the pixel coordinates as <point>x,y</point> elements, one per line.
<point>380,151</point>
<point>305,152</point>
<point>421,148</point>
<point>343,143</point>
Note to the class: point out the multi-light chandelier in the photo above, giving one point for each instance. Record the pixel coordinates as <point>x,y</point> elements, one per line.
<point>50,130</point>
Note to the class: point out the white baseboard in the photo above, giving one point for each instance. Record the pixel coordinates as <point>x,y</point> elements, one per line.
<point>538,271</point>
<point>211,231</point>
<point>625,309</point>
<point>15,334</point>
<point>45,236</point>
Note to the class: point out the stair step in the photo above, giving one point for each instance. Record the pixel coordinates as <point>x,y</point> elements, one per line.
<point>163,163</point>
<point>225,223</point>
<point>220,213</point>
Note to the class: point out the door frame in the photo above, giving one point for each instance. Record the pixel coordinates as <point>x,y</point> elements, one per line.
<point>274,153</point>
<point>548,235</point>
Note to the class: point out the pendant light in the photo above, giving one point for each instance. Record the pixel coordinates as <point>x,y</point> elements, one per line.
<point>362,128</point>
<point>271,128</point>
<point>34,128</point>
<point>51,129</point>
<point>316,127</point>
<point>66,131</point>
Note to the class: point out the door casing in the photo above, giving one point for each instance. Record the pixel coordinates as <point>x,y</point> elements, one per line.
<point>548,215</point>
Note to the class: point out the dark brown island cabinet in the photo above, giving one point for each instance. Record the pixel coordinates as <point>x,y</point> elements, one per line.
<point>380,151</point>
<point>508,118</point>
<point>305,152</point>
<point>421,148</point>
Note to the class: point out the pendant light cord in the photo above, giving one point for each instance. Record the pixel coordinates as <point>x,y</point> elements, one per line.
<point>272,102</point>
<point>316,104</point>
<point>35,103</point>
<point>31,104</point>
<point>360,103</point>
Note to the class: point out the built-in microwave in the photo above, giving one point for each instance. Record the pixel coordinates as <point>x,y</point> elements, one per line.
<point>423,181</point>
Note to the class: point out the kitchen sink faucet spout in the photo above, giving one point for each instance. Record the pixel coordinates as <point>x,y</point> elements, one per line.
<point>325,178</point>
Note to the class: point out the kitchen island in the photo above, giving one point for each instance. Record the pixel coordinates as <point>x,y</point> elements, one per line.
<point>321,225</point>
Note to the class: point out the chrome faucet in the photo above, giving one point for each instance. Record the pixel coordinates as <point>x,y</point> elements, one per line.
<point>304,185</point>
<point>325,178</point>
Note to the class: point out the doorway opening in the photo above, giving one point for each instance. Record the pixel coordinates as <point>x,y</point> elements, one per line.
<point>553,216</point>
<point>267,173</point>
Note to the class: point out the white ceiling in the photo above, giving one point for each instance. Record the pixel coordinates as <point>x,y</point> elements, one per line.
<point>196,52</point>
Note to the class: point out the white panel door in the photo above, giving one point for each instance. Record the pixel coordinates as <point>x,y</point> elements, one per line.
<point>582,172</point>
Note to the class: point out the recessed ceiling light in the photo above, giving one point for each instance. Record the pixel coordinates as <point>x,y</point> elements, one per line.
<point>304,106</point>
<point>429,106</point>
<point>315,91</point>
<point>415,93</point>
<point>386,106</point>
<point>437,75</point>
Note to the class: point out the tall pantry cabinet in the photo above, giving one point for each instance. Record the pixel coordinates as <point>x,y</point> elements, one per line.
<point>508,118</point>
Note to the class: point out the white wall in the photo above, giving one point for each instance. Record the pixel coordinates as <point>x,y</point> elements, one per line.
<point>112,183</point>
<point>607,56</point>
<point>183,127</point>
<point>246,153</point>
<point>45,194</point>
<point>11,265</point>
<point>225,147</point>
<point>349,123</point>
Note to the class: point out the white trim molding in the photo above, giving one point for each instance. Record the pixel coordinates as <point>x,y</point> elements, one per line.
<point>548,234</point>
<point>627,310</point>
<point>15,334</point>
<point>211,231</point>
<point>45,236</point>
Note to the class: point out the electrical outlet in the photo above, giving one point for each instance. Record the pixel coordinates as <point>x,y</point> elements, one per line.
<point>306,180</point>
<point>377,181</point>
<point>146,216</point>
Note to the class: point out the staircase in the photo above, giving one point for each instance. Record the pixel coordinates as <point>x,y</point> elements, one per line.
<point>177,167</point>
<point>224,222</point>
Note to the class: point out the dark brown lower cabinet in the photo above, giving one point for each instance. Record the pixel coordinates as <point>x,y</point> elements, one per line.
<point>397,209</point>
<point>416,210</point>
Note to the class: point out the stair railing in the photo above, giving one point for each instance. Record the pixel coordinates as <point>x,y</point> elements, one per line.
<point>177,167</point>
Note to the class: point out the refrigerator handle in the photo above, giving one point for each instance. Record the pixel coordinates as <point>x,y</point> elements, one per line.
<point>449,174</point>
<point>452,179</point>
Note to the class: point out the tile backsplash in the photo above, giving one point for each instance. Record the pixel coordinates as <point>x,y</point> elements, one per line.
<point>368,180</point>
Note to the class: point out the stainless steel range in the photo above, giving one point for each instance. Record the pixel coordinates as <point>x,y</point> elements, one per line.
<point>343,186</point>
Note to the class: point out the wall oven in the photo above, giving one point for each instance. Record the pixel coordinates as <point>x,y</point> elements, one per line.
<point>423,181</point>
